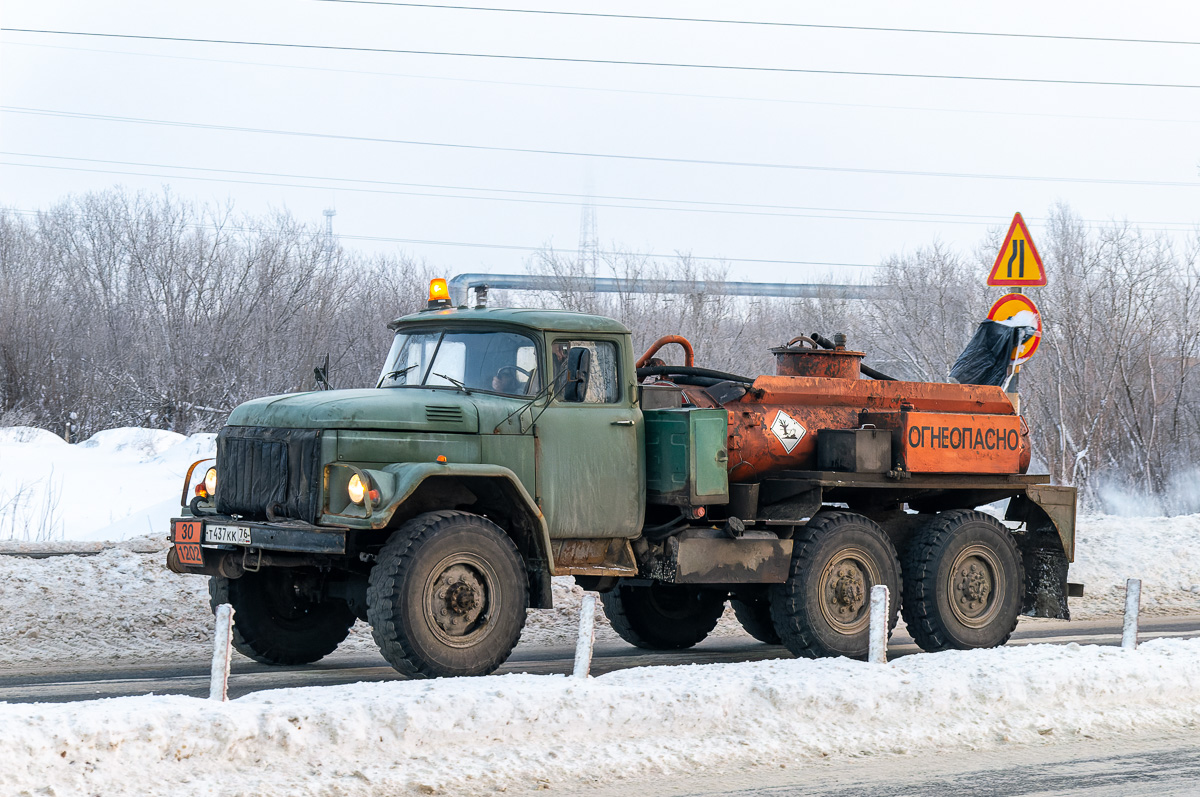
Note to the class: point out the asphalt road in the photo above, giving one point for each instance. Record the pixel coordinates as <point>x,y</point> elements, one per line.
<point>1127,767</point>
<point>90,680</point>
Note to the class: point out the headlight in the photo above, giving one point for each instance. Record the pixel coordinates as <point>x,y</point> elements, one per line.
<point>210,482</point>
<point>356,489</point>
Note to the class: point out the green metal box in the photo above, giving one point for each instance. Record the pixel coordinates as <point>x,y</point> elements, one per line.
<point>687,463</point>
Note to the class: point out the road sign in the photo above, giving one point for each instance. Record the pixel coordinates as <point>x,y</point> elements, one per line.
<point>1018,263</point>
<point>1017,309</point>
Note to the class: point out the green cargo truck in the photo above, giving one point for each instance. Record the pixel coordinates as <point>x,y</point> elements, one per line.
<point>502,447</point>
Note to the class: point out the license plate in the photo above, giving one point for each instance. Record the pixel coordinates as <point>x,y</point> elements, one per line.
<point>185,531</point>
<point>230,535</point>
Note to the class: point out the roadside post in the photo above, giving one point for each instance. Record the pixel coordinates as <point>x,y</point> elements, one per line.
<point>1133,606</point>
<point>222,653</point>
<point>587,636</point>
<point>878,629</point>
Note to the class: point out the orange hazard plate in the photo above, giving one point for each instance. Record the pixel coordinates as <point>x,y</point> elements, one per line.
<point>935,442</point>
<point>187,535</point>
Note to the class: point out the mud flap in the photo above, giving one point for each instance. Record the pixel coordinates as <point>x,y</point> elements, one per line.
<point>1045,584</point>
<point>1047,546</point>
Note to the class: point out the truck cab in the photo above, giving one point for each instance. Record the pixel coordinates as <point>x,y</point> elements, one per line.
<point>523,425</point>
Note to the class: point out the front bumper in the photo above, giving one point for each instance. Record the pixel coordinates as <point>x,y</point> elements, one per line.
<point>193,553</point>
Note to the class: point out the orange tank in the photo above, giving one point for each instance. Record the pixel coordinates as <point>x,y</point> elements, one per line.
<point>935,427</point>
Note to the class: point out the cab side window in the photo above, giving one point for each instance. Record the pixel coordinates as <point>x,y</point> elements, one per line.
<point>603,382</point>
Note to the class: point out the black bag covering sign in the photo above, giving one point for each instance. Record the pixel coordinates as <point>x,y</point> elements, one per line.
<point>987,356</point>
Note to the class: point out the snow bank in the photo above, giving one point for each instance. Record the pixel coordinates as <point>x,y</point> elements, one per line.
<point>1164,552</point>
<point>467,736</point>
<point>120,483</point>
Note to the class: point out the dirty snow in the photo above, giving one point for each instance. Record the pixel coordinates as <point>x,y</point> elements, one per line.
<point>525,732</point>
<point>124,605</point>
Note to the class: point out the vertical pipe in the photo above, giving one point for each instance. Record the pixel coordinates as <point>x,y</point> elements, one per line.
<point>587,636</point>
<point>1133,604</point>
<point>878,631</point>
<point>222,652</point>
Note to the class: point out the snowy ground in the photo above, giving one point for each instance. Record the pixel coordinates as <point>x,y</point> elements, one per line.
<point>121,483</point>
<point>123,604</point>
<point>525,732</point>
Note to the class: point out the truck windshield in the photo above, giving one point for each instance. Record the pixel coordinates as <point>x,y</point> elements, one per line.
<point>494,362</point>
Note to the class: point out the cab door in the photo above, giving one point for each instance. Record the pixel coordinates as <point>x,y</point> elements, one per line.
<point>590,453</point>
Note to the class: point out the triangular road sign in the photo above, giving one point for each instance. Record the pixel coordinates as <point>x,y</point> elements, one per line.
<point>1018,262</point>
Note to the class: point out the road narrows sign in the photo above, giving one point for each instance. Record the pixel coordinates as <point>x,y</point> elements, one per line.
<point>1018,263</point>
<point>1019,310</point>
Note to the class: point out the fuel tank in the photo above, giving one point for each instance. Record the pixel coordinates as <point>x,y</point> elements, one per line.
<point>777,423</point>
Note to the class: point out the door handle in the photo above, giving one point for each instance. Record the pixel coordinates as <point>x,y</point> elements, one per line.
<point>622,423</point>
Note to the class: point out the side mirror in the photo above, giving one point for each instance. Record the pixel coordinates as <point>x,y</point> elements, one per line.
<point>579,366</point>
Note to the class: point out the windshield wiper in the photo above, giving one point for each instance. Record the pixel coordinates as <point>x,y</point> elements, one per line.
<point>394,374</point>
<point>552,390</point>
<point>454,382</point>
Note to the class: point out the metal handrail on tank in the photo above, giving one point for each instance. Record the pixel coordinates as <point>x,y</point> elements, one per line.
<point>462,283</point>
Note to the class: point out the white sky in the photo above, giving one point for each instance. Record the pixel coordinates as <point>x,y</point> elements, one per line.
<point>850,122</point>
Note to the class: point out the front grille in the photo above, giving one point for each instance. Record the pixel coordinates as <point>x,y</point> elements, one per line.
<point>443,413</point>
<point>261,469</point>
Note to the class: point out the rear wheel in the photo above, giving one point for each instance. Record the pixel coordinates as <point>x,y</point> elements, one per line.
<point>755,617</point>
<point>447,596</point>
<point>280,616</point>
<point>823,609</point>
<point>963,582</point>
<point>663,616</point>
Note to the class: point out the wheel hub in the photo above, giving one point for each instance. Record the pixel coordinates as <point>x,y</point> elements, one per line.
<point>458,599</point>
<point>845,584</point>
<point>974,586</point>
<point>848,590</point>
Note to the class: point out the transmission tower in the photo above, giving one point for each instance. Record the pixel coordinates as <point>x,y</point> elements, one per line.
<point>589,241</point>
<point>330,244</point>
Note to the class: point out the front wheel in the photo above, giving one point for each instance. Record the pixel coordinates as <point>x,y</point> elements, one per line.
<point>963,582</point>
<point>663,616</point>
<point>447,596</point>
<point>279,615</point>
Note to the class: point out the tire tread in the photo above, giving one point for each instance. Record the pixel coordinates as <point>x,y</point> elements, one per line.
<point>920,567</point>
<point>384,585</point>
<point>789,611</point>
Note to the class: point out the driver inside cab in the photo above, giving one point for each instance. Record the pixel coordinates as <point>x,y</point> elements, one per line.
<point>507,381</point>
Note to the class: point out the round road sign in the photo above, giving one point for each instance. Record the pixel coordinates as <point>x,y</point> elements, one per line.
<point>1017,309</point>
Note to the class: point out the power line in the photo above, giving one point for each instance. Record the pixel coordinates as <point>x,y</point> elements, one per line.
<point>691,205</point>
<point>613,90</point>
<point>606,155</point>
<point>609,61</point>
<point>514,247</point>
<point>694,205</point>
<point>482,198</point>
<point>767,23</point>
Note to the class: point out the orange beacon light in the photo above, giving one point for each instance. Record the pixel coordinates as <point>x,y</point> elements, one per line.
<point>439,293</point>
